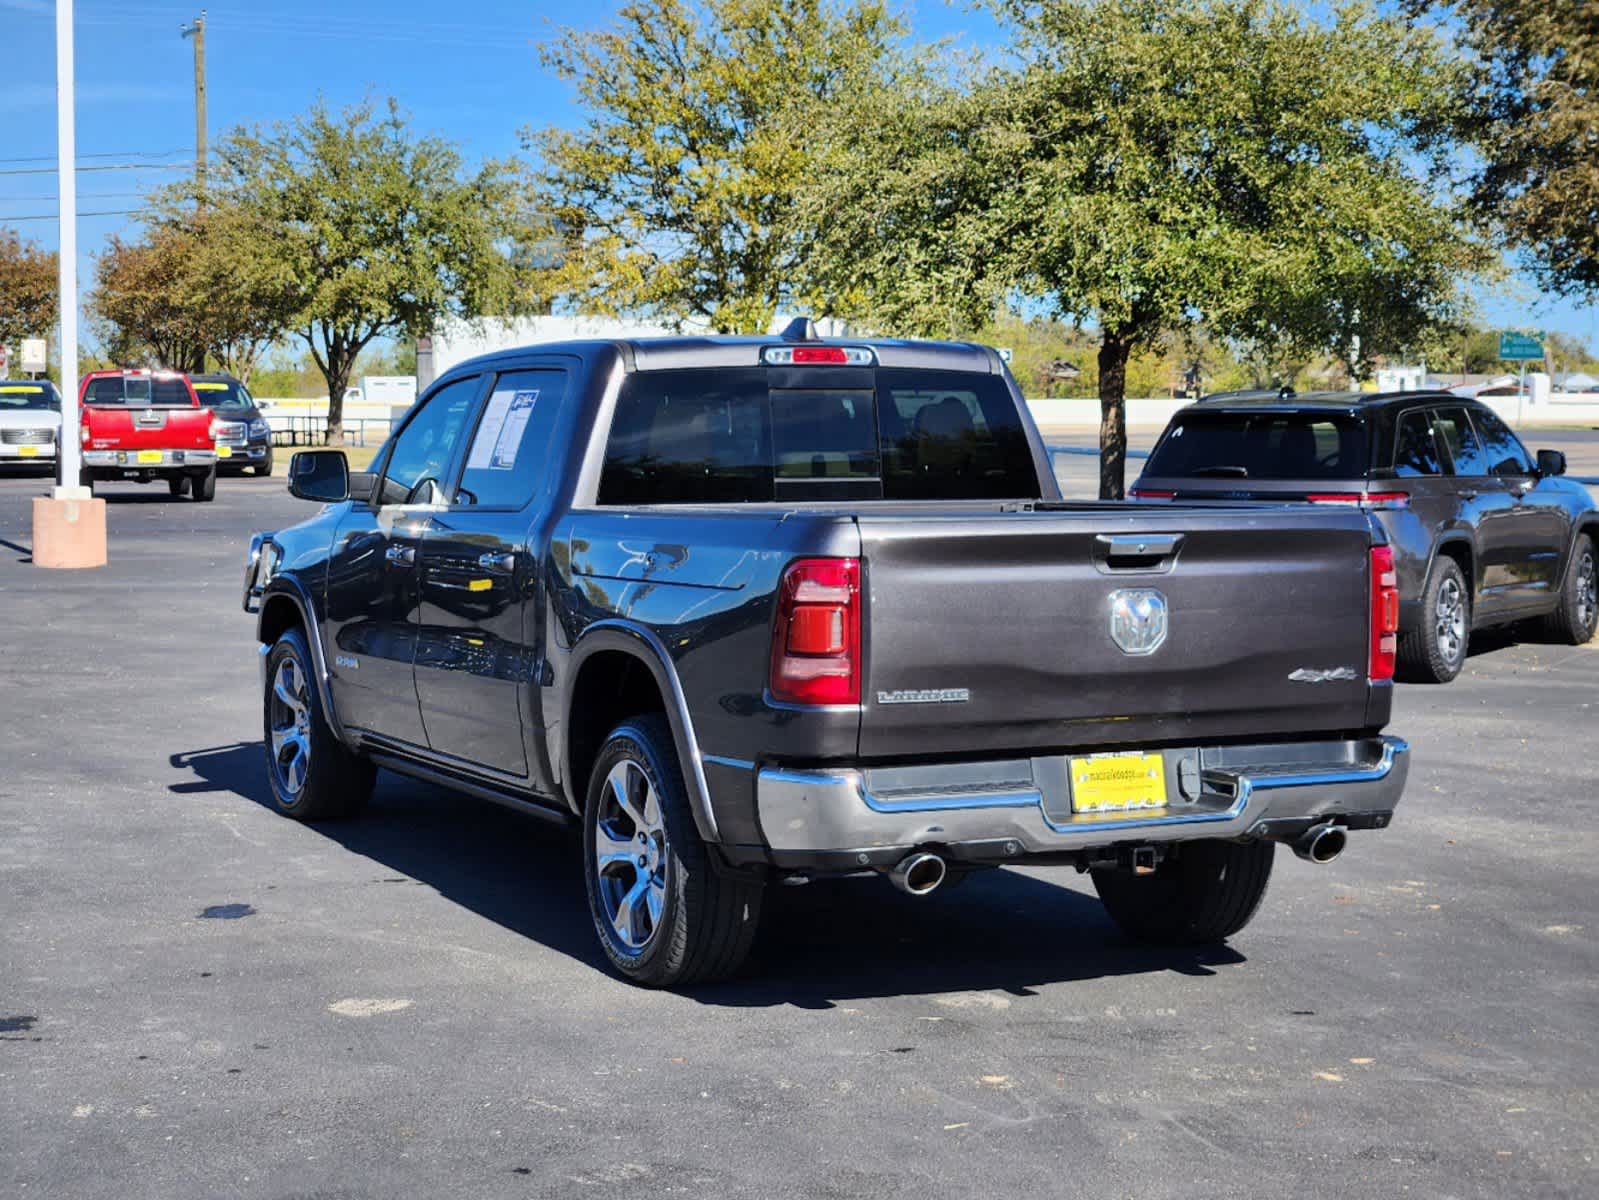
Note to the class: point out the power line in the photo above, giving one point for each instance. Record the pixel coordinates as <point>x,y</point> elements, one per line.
<point>181,166</point>
<point>107,154</point>
<point>110,212</point>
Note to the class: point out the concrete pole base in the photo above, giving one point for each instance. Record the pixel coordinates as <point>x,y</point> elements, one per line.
<point>68,533</point>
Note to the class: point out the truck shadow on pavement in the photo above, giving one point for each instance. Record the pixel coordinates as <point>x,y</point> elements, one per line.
<point>995,936</point>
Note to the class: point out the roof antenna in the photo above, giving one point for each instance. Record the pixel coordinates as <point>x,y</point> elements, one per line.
<point>800,329</point>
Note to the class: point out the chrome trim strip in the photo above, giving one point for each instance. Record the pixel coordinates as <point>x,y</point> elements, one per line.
<point>738,764</point>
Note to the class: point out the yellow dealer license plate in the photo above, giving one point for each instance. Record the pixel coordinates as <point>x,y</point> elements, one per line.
<point>224,451</point>
<point>1118,783</point>
<point>28,451</point>
<point>149,456</point>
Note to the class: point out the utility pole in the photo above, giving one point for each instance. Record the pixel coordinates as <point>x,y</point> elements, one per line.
<point>197,32</point>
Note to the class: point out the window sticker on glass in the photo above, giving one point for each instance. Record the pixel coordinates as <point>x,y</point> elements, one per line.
<point>510,439</point>
<point>499,435</point>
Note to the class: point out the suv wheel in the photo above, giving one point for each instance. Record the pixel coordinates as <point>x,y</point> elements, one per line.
<point>663,913</point>
<point>1577,616</point>
<point>1435,651</point>
<point>1206,892</point>
<point>313,775</point>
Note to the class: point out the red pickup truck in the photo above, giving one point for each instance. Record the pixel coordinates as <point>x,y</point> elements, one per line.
<point>147,425</point>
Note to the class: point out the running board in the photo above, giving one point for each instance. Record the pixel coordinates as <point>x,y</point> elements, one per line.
<point>522,804</point>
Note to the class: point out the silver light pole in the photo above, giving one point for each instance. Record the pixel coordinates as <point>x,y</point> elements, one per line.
<point>68,448</point>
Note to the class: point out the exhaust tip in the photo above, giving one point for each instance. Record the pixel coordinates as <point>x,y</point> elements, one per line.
<point>918,874</point>
<point>1321,844</point>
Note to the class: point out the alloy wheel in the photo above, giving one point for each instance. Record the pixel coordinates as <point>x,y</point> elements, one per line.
<point>630,855</point>
<point>1451,620</point>
<point>290,725</point>
<point>1587,591</point>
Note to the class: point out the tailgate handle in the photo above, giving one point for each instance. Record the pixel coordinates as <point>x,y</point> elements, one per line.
<point>1136,551</point>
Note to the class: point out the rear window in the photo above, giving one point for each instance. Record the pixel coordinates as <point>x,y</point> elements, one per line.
<point>1267,445</point>
<point>725,436</point>
<point>145,391</point>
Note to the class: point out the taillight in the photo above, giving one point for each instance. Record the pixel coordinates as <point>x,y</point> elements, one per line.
<point>816,636</point>
<point>1139,493</point>
<point>1384,614</point>
<point>1374,499</point>
<point>216,429</point>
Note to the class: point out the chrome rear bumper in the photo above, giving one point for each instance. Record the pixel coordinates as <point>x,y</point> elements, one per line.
<point>1023,807</point>
<point>130,459</point>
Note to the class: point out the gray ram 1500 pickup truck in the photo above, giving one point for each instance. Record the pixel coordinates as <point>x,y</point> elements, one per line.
<point>748,609</point>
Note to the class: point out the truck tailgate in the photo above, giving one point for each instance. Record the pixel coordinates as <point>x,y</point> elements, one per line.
<point>138,427</point>
<point>993,632</point>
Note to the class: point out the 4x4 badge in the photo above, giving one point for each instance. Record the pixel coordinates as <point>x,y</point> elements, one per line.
<point>1138,620</point>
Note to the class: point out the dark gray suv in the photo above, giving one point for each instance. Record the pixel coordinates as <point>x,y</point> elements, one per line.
<point>1483,532</point>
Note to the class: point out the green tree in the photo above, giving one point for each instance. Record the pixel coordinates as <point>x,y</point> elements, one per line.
<point>142,303</point>
<point>677,195</point>
<point>1533,95</point>
<point>1153,164</point>
<point>375,231</point>
<point>29,297</point>
<point>183,292</point>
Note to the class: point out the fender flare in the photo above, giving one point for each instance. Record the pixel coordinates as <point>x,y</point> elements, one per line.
<point>1455,537</point>
<point>1588,524</point>
<point>288,589</point>
<point>640,643</point>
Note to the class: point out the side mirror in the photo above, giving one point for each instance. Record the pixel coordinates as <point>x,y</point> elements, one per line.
<point>1551,462</point>
<point>320,475</point>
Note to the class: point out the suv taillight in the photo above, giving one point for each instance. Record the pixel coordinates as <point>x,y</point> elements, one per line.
<point>816,636</point>
<point>1384,614</point>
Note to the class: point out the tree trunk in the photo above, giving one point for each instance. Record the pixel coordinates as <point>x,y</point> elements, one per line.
<point>337,377</point>
<point>1113,355</point>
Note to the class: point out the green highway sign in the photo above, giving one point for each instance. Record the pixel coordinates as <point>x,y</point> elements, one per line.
<point>1519,347</point>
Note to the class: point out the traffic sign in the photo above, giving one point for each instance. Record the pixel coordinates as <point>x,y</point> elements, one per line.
<point>1519,347</point>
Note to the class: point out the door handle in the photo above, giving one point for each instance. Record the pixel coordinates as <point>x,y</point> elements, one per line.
<point>401,556</point>
<point>499,563</point>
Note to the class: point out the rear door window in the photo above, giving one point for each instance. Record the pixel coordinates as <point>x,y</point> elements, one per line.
<point>1416,453</point>
<point>1455,432</point>
<point>510,453</point>
<point>724,436</point>
<point>1266,445</point>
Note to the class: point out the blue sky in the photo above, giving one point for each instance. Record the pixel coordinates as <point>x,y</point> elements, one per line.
<point>469,72</point>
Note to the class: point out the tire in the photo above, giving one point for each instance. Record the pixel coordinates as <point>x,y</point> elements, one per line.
<point>264,467</point>
<point>330,780</point>
<point>204,487</point>
<point>1435,651</point>
<point>1204,893</point>
<point>1577,616</point>
<point>178,486</point>
<point>672,919</point>
<point>85,479</point>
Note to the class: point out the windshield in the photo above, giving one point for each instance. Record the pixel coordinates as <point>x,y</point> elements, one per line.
<point>144,391</point>
<point>39,396</point>
<point>1266,445</point>
<point>728,436</point>
<point>222,393</point>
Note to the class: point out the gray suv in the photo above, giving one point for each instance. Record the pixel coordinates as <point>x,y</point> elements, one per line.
<point>1483,533</point>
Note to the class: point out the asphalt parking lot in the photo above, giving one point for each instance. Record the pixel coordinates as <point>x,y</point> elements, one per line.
<point>199,998</point>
